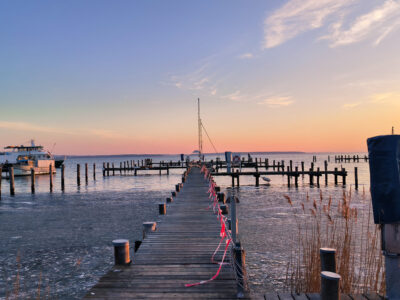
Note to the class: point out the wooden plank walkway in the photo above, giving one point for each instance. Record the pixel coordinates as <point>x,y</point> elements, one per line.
<point>179,252</point>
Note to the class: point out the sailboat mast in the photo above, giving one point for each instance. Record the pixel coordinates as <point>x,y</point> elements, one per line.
<point>199,129</point>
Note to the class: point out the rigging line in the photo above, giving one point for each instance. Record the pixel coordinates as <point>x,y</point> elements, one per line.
<point>205,130</point>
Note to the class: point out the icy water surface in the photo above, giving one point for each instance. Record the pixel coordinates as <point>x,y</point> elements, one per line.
<point>60,243</point>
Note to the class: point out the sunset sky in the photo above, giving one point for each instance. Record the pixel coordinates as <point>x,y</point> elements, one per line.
<point>114,77</point>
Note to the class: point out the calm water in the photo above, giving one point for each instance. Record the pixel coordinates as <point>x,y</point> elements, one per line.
<point>60,243</point>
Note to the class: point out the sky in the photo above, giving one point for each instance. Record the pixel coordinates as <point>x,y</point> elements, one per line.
<point>99,77</point>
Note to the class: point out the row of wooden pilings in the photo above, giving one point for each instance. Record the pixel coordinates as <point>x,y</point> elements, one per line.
<point>121,246</point>
<point>350,158</point>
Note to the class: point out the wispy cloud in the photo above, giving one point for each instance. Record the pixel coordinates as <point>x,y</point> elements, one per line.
<point>298,16</point>
<point>351,105</point>
<point>277,101</point>
<point>386,98</point>
<point>31,127</point>
<point>246,56</point>
<point>235,96</point>
<point>376,24</point>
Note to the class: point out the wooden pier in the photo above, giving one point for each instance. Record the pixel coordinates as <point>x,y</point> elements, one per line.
<point>179,252</point>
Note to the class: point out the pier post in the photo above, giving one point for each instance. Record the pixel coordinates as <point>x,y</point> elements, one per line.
<point>318,175</point>
<point>62,177</point>
<point>78,174</point>
<point>1,175</point>
<point>224,209</point>
<point>233,180</point>
<point>257,179</point>
<point>148,227</point>
<point>234,221</point>
<point>51,177</point>
<point>12,184</point>
<point>162,208</point>
<point>344,176</point>
<point>288,176</point>
<point>302,168</point>
<point>328,259</point>
<point>108,169</point>
<point>104,169</point>
<point>296,178</point>
<point>356,178</point>
<point>237,178</point>
<point>120,168</point>
<point>221,197</point>
<point>32,181</point>
<point>326,172</point>
<point>167,170</point>
<point>311,177</point>
<point>291,165</point>
<point>86,173</point>
<point>273,166</point>
<point>283,165</point>
<point>94,171</point>
<point>121,252</point>
<point>169,199</point>
<point>330,285</point>
<point>336,171</point>
<point>239,257</point>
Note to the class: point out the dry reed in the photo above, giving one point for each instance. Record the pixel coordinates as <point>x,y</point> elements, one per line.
<point>353,235</point>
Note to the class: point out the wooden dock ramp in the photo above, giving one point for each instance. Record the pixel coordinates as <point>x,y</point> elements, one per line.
<point>177,253</point>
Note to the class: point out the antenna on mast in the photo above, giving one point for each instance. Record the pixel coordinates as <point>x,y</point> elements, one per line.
<point>199,129</point>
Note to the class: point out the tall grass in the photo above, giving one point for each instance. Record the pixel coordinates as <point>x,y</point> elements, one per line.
<point>328,223</point>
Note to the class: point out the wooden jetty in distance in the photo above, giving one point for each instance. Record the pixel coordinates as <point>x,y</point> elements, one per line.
<point>350,158</point>
<point>179,252</point>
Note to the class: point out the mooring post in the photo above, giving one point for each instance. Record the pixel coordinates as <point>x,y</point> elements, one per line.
<point>221,197</point>
<point>311,177</point>
<point>283,165</point>
<point>1,175</point>
<point>12,184</point>
<point>291,165</point>
<point>288,176</point>
<point>302,168</point>
<point>318,175</point>
<point>86,173</point>
<point>78,174</point>
<point>51,177</point>
<point>336,175</point>
<point>257,179</point>
<point>233,179</point>
<point>237,178</point>
<point>239,257</point>
<point>328,259</point>
<point>234,221</point>
<point>330,286</point>
<point>273,166</point>
<point>326,172</point>
<point>32,180</point>
<point>344,176</point>
<point>108,169</point>
<point>162,208</point>
<point>356,178</point>
<point>169,199</point>
<point>121,252</point>
<point>148,227</point>
<point>62,177</point>
<point>104,169</point>
<point>296,177</point>
<point>167,170</point>
<point>94,171</point>
<point>120,168</point>
<point>224,209</point>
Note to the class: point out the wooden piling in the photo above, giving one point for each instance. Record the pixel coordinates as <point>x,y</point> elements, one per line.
<point>12,183</point>
<point>104,169</point>
<point>78,174</point>
<point>291,165</point>
<point>311,177</point>
<point>62,177</point>
<point>148,227</point>
<point>86,173</point>
<point>1,175</point>
<point>344,176</point>
<point>239,256</point>
<point>302,168</point>
<point>356,178</point>
<point>51,177</point>
<point>328,259</point>
<point>121,252</point>
<point>234,227</point>
<point>32,181</point>
<point>233,180</point>
<point>336,175</point>
<point>108,169</point>
<point>326,172</point>
<point>288,177</point>
<point>318,175</point>
<point>330,286</point>
<point>162,208</point>
<point>257,179</point>
<point>94,171</point>
<point>296,178</point>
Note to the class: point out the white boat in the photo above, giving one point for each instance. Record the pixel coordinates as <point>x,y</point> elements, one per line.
<point>24,158</point>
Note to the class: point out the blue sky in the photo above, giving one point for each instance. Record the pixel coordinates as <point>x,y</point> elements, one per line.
<point>124,76</point>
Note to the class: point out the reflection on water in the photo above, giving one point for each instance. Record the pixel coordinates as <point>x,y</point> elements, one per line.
<point>65,238</point>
